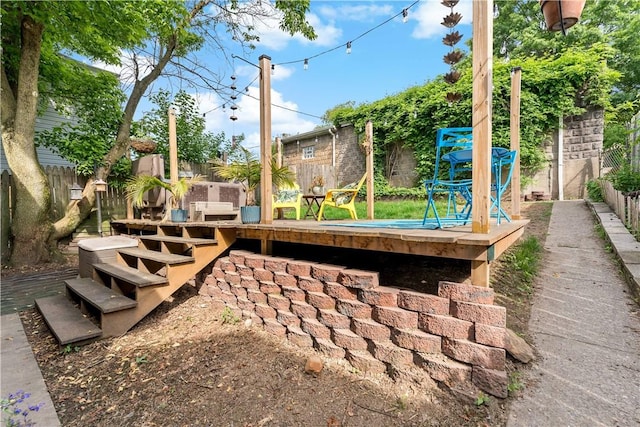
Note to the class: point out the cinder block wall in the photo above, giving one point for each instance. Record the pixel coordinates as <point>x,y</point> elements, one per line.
<point>458,336</point>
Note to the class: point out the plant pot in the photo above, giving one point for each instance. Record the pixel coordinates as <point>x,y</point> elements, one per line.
<point>179,215</point>
<point>145,146</point>
<point>561,14</point>
<point>317,190</point>
<point>250,214</point>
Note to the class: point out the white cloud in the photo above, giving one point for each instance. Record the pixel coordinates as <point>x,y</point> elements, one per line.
<point>283,120</point>
<point>272,37</point>
<point>430,14</point>
<point>369,12</point>
<point>282,72</point>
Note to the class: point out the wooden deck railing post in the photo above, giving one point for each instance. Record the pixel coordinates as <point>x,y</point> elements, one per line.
<point>516,77</point>
<point>368,147</point>
<point>266,190</point>
<point>481,119</point>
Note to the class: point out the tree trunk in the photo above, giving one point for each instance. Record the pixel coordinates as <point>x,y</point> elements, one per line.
<point>31,226</point>
<point>78,210</point>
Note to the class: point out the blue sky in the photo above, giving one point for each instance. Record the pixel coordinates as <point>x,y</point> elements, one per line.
<point>385,60</point>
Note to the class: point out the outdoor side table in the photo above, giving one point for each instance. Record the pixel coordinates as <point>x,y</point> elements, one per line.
<point>312,200</point>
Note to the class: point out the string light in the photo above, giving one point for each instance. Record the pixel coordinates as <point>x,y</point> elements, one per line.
<point>305,61</point>
<point>496,11</point>
<point>273,69</point>
<point>405,16</point>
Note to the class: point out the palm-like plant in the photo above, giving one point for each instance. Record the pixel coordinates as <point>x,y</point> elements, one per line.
<point>247,170</point>
<point>138,185</point>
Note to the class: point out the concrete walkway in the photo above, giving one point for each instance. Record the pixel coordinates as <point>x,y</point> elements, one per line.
<point>585,325</point>
<point>20,372</point>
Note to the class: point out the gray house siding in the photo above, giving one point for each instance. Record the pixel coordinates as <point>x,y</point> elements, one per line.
<point>46,156</point>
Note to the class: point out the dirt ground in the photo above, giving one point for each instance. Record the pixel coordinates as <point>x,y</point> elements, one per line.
<point>183,366</point>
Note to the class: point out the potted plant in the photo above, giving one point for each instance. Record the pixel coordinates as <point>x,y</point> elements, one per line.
<point>137,186</point>
<point>560,15</point>
<point>317,185</point>
<point>246,169</point>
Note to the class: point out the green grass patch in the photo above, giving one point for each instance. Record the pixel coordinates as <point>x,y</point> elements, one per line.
<point>382,209</point>
<point>525,260</point>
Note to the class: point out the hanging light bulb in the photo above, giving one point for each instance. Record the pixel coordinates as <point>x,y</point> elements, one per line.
<point>246,89</point>
<point>273,69</point>
<point>405,15</point>
<point>348,48</point>
<point>224,108</point>
<point>503,49</point>
<point>496,11</point>
<point>306,64</point>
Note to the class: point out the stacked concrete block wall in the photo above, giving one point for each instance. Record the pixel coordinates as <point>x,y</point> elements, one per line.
<point>457,337</point>
<point>582,145</point>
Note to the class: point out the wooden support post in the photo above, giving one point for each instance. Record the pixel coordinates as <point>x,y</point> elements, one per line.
<point>278,152</point>
<point>480,273</point>
<point>173,147</point>
<point>368,149</point>
<point>516,77</point>
<point>266,190</point>
<point>279,165</point>
<point>481,119</point>
<point>266,247</point>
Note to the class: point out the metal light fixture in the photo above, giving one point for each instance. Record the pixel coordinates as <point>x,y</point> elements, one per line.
<point>101,186</point>
<point>75,192</point>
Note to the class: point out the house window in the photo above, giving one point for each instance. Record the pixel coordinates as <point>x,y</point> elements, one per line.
<point>308,152</point>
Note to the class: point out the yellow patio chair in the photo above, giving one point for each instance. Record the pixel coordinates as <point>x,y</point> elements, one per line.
<point>288,197</point>
<point>343,198</point>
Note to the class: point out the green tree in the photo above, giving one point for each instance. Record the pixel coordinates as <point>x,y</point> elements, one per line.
<point>195,144</point>
<point>612,25</point>
<point>551,85</point>
<point>38,40</point>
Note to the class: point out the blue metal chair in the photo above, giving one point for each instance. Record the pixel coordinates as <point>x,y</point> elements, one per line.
<point>450,144</point>
<point>502,162</point>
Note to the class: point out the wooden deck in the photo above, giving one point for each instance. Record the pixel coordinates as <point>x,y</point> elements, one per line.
<point>454,242</point>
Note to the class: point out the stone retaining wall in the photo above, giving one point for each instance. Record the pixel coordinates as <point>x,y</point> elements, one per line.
<point>458,337</point>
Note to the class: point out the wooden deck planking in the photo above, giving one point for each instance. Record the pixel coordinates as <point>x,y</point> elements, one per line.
<point>454,242</point>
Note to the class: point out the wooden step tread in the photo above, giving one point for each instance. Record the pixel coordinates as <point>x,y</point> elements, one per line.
<point>99,296</point>
<point>65,320</point>
<point>156,256</point>
<point>176,239</point>
<point>131,275</point>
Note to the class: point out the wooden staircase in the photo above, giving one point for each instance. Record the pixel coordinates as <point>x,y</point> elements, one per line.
<point>123,292</point>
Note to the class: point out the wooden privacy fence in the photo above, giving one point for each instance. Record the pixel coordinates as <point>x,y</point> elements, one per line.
<point>626,207</point>
<point>306,173</point>
<point>61,179</point>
